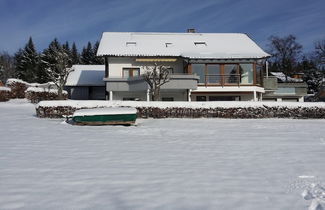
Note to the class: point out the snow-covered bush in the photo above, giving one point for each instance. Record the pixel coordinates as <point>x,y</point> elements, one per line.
<point>5,94</point>
<point>37,94</point>
<point>18,87</point>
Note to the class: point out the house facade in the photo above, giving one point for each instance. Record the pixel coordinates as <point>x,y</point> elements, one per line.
<point>203,66</point>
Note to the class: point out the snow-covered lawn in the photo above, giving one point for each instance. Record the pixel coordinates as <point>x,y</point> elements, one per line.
<point>158,164</point>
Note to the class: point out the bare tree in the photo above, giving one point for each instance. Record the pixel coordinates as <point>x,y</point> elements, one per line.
<point>7,67</point>
<point>156,76</point>
<point>320,52</point>
<point>58,65</point>
<point>285,53</point>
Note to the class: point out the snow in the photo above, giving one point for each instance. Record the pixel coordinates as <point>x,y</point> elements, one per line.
<point>5,89</point>
<point>282,77</point>
<point>160,104</point>
<point>216,45</point>
<point>13,80</point>
<point>40,89</point>
<point>158,164</point>
<point>86,75</point>
<point>105,111</point>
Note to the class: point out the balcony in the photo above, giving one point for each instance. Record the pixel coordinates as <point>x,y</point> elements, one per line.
<point>225,80</point>
<point>176,82</point>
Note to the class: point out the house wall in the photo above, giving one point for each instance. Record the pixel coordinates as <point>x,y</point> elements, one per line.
<point>238,96</point>
<point>116,65</point>
<point>142,96</point>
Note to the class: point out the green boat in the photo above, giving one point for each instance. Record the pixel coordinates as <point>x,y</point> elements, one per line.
<point>105,116</point>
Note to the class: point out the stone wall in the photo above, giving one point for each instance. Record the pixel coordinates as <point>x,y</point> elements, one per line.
<point>250,112</point>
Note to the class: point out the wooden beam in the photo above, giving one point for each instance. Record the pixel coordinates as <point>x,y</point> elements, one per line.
<point>254,73</point>
<point>106,67</point>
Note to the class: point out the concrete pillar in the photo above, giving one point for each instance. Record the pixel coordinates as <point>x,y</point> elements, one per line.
<point>148,94</point>
<point>279,99</point>
<point>301,99</point>
<point>261,96</point>
<point>111,95</point>
<point>189,95</point>
<point>255,97</point>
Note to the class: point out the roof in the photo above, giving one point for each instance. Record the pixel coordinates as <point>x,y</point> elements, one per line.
<point>188,45</point>
<point>86,75</point>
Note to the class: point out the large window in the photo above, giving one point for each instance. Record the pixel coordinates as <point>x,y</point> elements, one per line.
<point>231,75</point>
<point>246,73</point>
<point>131,72</point>
<point>199,70</point>
<point>225,74</point>
<point>213,73</point>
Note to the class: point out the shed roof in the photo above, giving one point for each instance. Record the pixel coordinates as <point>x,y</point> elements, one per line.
<point>188,45</point>
<point>86,75</point>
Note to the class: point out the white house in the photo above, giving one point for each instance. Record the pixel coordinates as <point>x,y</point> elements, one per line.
<point>203,66</point>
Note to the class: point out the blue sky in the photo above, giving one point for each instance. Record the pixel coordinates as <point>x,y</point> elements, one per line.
<point>83,20</point>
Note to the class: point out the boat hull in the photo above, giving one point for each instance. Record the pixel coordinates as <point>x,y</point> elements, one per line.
<point>116,119</point>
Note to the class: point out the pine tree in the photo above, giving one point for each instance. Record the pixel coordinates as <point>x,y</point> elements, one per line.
<point>87,55</point>
<point>27,61</point>
<point>97,59</point>
<point>57,62</point>
<point>75,57</point>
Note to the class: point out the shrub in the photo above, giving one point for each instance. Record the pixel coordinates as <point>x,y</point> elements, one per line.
<point>5,94</point>
<point>36,95</point>
<point>18,87</point>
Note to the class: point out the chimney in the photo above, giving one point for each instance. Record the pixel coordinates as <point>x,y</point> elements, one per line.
<point>191,30</point>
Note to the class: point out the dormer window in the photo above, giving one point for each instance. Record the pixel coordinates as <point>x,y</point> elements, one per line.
<point>169,44</point>
<point>200,44</point>
<point>131,44</point>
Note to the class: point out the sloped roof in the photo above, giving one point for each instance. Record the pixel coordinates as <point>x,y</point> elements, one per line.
<point>188,45</point>
<point>86,75</point>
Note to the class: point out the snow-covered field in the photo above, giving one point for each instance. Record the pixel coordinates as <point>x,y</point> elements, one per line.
<point>158,164</point>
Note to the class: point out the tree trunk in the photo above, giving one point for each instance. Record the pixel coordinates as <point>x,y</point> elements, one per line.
<point>156,94</point>
<point>60,93</point>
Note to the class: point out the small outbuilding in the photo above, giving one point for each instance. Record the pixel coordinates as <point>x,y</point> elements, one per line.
<point>86,82</point>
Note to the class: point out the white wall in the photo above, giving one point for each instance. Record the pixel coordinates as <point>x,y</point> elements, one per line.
<point>117,64</point>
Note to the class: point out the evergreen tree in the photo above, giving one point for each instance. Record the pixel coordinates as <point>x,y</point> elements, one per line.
<point>75,57</point>
<point>97,59</point>
<point>88,55</point>
<point>27,61</point>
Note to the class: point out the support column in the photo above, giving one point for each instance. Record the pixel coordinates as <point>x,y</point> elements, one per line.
<point>261,97</point>
<point>189,95</point>
<point>301,99</point>
<point>148,94</point>
<point>111,95</point>
<point>255,96</point>
<point>279,99</point>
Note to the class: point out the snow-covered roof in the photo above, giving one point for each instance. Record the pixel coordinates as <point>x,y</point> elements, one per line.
<point>86,75</point>
<point>282,77</point>
<point>189,45</point>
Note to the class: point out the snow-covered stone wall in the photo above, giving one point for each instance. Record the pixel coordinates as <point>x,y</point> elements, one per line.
<point>57,109</point>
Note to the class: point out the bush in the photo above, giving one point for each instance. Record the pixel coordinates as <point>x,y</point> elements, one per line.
<point>18,88</point>
<point>36,95</point>
<point>5,94</point>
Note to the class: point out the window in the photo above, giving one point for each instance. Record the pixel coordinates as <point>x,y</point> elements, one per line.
<point>169,44</point>
<point>167,99</point>
<point>131,44</point>
<point>224,98</point>
<point>131,72</point>
<point>201,98</point>
<point>231,75</point>
<point>246,73</point>
<point>213,73</point>
<point>199,70</point>
<point>200,44</point>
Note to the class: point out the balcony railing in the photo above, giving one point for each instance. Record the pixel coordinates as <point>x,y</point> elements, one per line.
<point>222,79</point>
